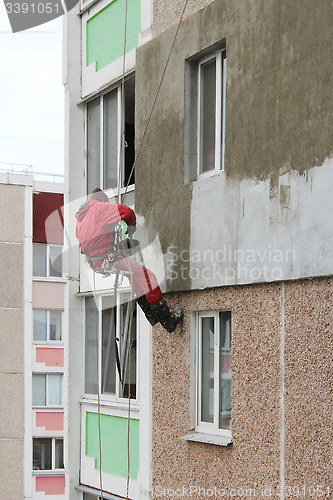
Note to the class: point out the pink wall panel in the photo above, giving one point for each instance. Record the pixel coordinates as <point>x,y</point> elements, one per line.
<point>50,356</point>
<point>51,485</point>
<point>47,295</point>
<point>52,421</point>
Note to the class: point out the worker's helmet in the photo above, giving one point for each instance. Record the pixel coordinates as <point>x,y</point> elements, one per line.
<point>99,195</point>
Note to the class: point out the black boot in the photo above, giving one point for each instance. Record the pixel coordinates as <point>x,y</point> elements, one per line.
<point>168,319</point>
<point>146,307</point>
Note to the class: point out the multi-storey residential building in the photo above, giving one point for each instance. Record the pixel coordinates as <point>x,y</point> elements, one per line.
<point>227,108</point>
<point>33,392</point>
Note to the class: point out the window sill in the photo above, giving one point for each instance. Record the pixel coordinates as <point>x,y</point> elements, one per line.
<point>86,6</point>
<point>52,279</point>
<point>207,175</point>
<point>51,408</point>
<point>94,492</point>
<point>49,343</point>
<point>58,472</point>
<point>119,405</point>
<point>201,437</point>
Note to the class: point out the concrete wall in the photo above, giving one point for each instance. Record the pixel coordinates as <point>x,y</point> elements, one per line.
<point>12,341</point>
<point>74,191</point>
<point>274,192</point>
<point>281,394</point>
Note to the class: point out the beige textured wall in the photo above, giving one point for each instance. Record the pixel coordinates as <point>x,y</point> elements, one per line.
<point>279,430</point>
<point>11,342</point>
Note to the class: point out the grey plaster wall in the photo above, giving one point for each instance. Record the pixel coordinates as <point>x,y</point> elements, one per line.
<point>278,124</point>
<point>11,341</point>
<point>257,236</point>
<point>166,13</point>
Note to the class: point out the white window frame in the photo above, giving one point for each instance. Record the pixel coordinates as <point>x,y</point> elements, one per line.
<point>220,105</point>
<point>206,427</point>
<point>106,397</point>
<point>53,468</point>
<point>48,326</point>
<point>48,249</point>
<point>120,189</point>
<point>47,405</point>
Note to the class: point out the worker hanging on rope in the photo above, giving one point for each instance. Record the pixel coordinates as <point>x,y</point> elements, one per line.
<point>95,230</point>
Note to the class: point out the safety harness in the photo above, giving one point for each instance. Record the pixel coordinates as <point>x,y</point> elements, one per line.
<point>111,258</point>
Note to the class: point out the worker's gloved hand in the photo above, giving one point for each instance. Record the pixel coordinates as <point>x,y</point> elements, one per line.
<point>131,230</point>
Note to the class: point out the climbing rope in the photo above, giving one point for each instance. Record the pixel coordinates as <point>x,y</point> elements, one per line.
<point>98,393</point>
<point>121,199</point>
<point>154,101</point>
<point>129,344</point>
<point>122,135</point>
<point>121,375</point>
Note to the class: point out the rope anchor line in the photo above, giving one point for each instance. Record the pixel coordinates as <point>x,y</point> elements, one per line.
<point>122,148</point>
<point>155,98</point>
<point>123,359</point>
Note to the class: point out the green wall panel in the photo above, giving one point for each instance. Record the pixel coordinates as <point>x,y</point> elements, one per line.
<point>114,444</point>
<point>105,32</point>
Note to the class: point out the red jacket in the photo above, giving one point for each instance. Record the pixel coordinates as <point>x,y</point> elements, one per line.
<point>95,223</point>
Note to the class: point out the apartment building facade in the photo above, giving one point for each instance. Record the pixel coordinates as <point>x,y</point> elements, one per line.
<point>227,108</point>
<point>33,407</point>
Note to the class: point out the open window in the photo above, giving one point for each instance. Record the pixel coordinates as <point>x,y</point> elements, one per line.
<point>109,165</point>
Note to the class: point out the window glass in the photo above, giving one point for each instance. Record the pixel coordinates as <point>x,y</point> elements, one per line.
<point>39,259</point>
<point>207,370</point>
<point>55,325</point>
<point>115,325</point>
<point>91,330</point>
<point>39,324</point>
<point>42,454</point>
<point>214,371</point>
<point>110,108</point>
<point>129,132</point>
<point>55,260</point>
<point>208,81</point>
<point>38,389</point>
<point>225,370</point>
<point>54,382</point>
<point>109,346</point>
<point>130,370</point>
<point>109,165</point>
<point>59,454</point>
<point>93,144</point>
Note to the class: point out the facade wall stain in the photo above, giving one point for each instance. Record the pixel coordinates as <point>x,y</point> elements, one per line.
<point>260,398</point>
<point>277,106</point>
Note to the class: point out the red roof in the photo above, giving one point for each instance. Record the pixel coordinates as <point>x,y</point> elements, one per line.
<point>48,220</point>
